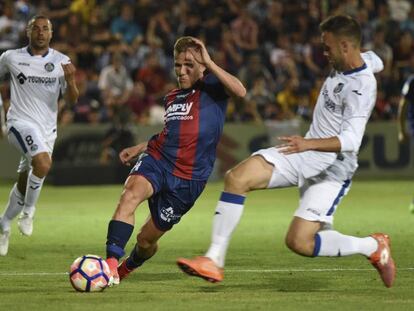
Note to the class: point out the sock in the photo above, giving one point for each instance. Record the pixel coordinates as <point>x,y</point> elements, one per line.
<point>228,213</point>
<point>332,243</point>
<point>118,235</point>
<point>33,188</point>
<point>135,260</point>
<point>13,208</point>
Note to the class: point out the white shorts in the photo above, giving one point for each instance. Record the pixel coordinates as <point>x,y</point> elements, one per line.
<point>28,139</point>
<point>319,196</point>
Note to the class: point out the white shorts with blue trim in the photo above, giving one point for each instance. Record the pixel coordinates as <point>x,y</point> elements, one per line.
<point>319,196</point>
<point>28,139</point>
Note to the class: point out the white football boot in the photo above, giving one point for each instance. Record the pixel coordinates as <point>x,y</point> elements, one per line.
<point>4,241</point>
<point>25,223</point>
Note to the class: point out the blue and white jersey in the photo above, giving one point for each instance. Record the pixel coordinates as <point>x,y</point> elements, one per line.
<point>36,82</point>
<point>343,108</point>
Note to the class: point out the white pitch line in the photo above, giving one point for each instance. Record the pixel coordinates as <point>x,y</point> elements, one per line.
<point>230,270</point>
<point>309,270</point>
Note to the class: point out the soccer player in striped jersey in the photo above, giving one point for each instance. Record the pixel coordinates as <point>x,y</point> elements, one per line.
<point>38,75</point>
<point>174,165</point>
<point>406,112</point>
<point>321,164</point>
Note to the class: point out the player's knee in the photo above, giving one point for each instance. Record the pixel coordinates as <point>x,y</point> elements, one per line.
<point>129,201</point>
<point>41,167</point>
<point>233,179</point>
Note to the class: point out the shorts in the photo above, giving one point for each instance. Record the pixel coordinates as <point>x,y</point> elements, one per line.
<point>173,196</point>
<point>319,195</point>
<point>28,139</point>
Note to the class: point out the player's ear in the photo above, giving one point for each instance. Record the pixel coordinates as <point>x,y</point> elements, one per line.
<point>344,46</point>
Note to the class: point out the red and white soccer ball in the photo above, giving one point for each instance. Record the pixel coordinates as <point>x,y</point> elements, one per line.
<point>89,273</point>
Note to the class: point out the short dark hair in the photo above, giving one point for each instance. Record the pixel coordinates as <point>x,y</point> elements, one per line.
<point>35,18</point>
<point>342,25</point>
<point>184,43</point>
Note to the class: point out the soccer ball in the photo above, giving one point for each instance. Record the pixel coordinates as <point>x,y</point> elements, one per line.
<point>89,273</point>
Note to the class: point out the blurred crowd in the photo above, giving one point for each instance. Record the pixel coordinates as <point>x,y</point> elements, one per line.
<point>123,51</point>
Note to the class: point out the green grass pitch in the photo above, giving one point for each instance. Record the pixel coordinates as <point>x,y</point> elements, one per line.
<point>261,273</point>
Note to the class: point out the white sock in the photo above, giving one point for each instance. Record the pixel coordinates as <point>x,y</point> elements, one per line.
<point>228,213</point>
<point>13,208</point>
<point>332,243</point>
<point>34,186</point>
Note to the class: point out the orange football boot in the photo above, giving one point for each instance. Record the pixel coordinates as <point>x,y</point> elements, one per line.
<point>381,259</point>
<point>202,267</point>
<point>113,266</point>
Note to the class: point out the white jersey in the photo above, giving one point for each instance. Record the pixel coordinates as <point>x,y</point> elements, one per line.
<point>36,82</point>
<point>343,108</point>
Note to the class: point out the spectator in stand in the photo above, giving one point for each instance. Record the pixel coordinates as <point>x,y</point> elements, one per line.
<point>153,76</point>
<point>124,28</point>
<point>10,29</point>
<point>254,69</point>
<point>115,83</point>
<point>140,103</point>
<point>245,32</point>
<point>403,50</point>
<point>160,28</point>
<point>287,98</point>
<point>382,49</point>
<point>260,95</point>
<point>88,108</point>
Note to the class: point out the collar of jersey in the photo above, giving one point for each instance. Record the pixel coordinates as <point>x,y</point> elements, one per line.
<point>29,50</point>
<point>364,66</point>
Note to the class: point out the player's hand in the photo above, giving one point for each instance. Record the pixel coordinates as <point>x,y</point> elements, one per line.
<point>128,154</point>
<point>200,53</point>
<point>292,144</point>
<point>69,71</point>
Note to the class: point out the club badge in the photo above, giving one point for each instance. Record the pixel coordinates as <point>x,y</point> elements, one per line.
<point>49,67</point>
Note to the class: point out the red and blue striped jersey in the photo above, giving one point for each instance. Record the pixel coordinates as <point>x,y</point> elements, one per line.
<point>194,120</point>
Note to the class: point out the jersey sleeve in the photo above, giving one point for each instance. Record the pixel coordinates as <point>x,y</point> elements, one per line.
<point>359,102</point>
<point>62,82</point>
<point>214,88</point>
<point>4,68</point>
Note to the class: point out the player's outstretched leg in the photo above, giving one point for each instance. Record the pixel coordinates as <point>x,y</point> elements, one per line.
<point>146,247</point>
<point>382,260</point>
<point>202,267</point>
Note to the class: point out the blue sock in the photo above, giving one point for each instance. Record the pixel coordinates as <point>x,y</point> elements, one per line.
<point>135,260</point>
<point>317,246</point>
<point>118,235</point>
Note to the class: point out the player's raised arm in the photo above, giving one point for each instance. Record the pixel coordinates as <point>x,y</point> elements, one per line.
<point>233,85</point>
<point>72,92</point>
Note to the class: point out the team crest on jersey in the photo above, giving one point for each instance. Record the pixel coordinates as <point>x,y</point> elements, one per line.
<point>49,67</point>
<point>34,147</point>
<point>338,88</point>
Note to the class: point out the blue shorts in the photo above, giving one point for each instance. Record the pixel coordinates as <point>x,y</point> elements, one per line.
<point>172,197</point>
